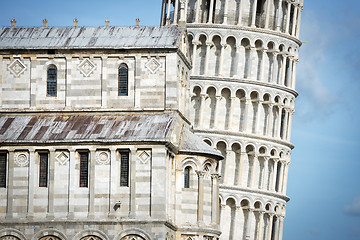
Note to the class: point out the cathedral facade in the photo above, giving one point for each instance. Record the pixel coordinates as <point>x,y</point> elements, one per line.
<point>141,133</point>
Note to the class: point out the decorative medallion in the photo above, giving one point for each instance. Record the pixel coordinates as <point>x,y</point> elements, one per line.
<point>87,67</point>
<point>132,237</point>
<point>50,237</point>
<point>153,65</point>
<point>103,158</point>
<point>62,158</point>
<point>22,159</point>
<point>17,68</point>
<point>144,156</point>
<point>91,237</point>
<point>9,237</point>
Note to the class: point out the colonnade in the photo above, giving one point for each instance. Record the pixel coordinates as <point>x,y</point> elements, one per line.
<point>242,167</point>
<point>240,111</point>
<point>277,15</point>
<point>239,58</point>
<point>250,222</point>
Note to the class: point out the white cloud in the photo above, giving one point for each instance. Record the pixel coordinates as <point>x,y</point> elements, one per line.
<point>354,208</point>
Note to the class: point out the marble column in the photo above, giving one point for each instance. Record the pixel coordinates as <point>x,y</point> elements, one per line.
<point>32,165</point>
<point>298,23</point>
<point>240,13</point>
<point>279,122</point>
<point>249,234</point>
<point>274,77</point>
<point>273,187</point>
<point>10,185</point>
<point>215,199</point>
<point>281,227</point>
<point>289,75</point>
<point>283,70</point>
<point>270,125</point>
<point>223,46</point>
<point>270,226</point>
<point>260,232</point>
<point>257,119</point>
<point>211,11</point>
<point>197,11</point>
<point>226,11</point>
<point>176,11</point>
<point>286,177</point>
<point>200,205</point>
<point>267,17</point>
<point>202,109</point>
<point>51,186</point>
<point>288,13</point>
<point>279,18</point>
<point>133,158</point>
<point>285,125</point>
<point>254,170</point>
<point>72,183</point>
<point>163,12</point>
<point>293,77</point>
<point>194,55</point>
<point>92,163</point>
<point>246,115</point>
<point>253,13</point>
<point>240,63</point>
<point>243,156</point>
<point>168,20</point>
<point>217,109</point>
<point>209,44</point>
<point>265,180</point>
<point>114,175</point>
<point>293,28</point>
<point>291,114</point>
<point>237,223</point>
<point>231,111</point>
<point>281,176</point>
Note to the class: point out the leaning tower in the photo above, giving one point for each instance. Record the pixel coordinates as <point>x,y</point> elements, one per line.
<point>244,56</point>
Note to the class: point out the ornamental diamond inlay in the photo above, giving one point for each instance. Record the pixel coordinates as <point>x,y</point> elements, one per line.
<point>22,159</point>
<point>62,158</point>
<point>102,158</point>
<point>87,67</point>
<point>17,68</point>
<point>153,65</point>
<point>144,156</point>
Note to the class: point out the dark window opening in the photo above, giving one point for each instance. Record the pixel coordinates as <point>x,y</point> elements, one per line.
<point>187,177</point>
<point>282,125</point>
<point>84,169</point>
<point>123,80</point>
<point>260,6</point>
<point>43,170</point>
<point>52,81</point>
<point>2,170</point>
<point>124,169</point>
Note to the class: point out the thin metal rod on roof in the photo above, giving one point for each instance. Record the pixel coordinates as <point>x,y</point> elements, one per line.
<point>107,21</point>
<point>45,21</point>
<point>75,21</point>
<point>13,22</point>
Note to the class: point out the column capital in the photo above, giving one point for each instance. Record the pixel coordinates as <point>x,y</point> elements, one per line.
<point>209,43</point>
<point>224,45</point>
<point>200,174</point>
<point>196,42</point>
<point>215,176</point>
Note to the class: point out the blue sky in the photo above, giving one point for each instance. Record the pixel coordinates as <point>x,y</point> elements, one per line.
<point>324,176</point>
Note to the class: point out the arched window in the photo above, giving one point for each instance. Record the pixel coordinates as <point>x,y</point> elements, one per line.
<point>3,163</point>
<point>123,80</point>
<point>51,81</point>
<point>187,177</point>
